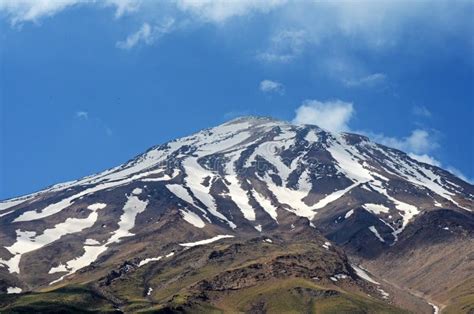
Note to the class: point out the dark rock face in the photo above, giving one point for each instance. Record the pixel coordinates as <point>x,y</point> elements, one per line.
<point>248,177</point>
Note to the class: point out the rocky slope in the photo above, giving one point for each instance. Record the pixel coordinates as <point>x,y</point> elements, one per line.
<point>248,178</point>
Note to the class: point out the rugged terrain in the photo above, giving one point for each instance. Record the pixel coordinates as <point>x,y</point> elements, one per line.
<point>253,215</point>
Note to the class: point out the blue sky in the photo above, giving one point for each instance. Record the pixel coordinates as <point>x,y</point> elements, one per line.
<point>87,85</point>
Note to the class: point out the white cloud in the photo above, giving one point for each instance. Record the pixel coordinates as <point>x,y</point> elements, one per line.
<point>32,10</point>
<point>219,11</point>
<point>336,115</point>
<point>268,86</point>
<point>82,115</point>
<point>419,141</point>
<point>20,11</point>
<point>330,115</point>
<point>368,80</point>
<point>147,34</point>
<point>215,11</point>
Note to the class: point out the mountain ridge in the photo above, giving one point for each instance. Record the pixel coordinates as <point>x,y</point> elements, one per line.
<point>246,178</point>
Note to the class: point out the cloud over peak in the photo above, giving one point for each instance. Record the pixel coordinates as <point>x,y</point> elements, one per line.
<point>418,142</point>
<point>331,115</point>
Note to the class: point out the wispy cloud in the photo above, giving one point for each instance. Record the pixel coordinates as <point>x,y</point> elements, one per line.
<point>299,25</point>
<point>284,46</point>
<point>20,11</point>
<point>143,34</point>
<point>420,145</point>
<point>460,174</point>
<point>218,11</point>
<point>147,34</point>
<point>82,115</point>
<point>268,86</point>
<point>427,159</point>
<point>330,115</point>
<point>418,142</point>
<point>235,113</point>
<point>97,122</point>
<point>213,11</point>
<point>422,111</point>
<point>351,72</point>
<point>368,80</point>
<point>108,131</point>
<point>434,162</point>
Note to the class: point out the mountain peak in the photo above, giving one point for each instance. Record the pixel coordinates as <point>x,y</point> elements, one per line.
<point>254,120</point>
<point>249,176</point>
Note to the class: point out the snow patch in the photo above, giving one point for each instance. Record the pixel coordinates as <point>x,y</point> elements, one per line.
<point>383,293</point>
<point>28,241</point>
<point>311,137</point>
<point>207,241</point>
<point>407,211</point>
<point>91,242</point>
<point>195,176</point>
<point>376,233</point>
<point>340,276</point>
<point>435,308</point>
<point>13,290</point>
<point>137,191</point>
<point>266,204</point>
<point>238,195</point>
<point>362,274</point>
<point>348,214</point>
<point>148,260</point>
<point>131,209</point>
<point>376,208</point>
<point>192,218</point>
<point>6,213</point>
<point>292,198</point>
<point>64,203</point>
<point>333,196</point>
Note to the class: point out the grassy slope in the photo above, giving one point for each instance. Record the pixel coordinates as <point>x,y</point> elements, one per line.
<point>281,296</point>
<point>175,284</point>
<point>73,299</point>
<point>460,299</point>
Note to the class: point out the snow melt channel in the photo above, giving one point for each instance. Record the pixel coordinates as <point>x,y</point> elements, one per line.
<point>28,241</point>
<point>207,241</point>
<point>131,209</point>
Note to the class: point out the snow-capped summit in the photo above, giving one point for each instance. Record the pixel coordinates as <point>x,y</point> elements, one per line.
<point>248,175</point>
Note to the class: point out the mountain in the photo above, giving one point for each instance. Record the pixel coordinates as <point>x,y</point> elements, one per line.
<point>246,216</point>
